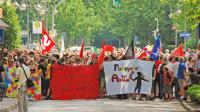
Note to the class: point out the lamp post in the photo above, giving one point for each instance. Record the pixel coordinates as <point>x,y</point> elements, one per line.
<point>25,6</point>
<point>53,13</point>
<point>171,15</point>
<point>157,29</point>
<point>156,19</point>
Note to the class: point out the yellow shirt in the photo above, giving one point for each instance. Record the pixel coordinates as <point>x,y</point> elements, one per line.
<point>48,71</point>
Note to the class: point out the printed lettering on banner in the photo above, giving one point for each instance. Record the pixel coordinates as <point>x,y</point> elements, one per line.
<point>128,76</point>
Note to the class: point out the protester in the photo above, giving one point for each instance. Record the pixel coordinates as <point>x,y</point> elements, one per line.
<point>197,67</point>
<point>2,75</point>
<point>156,77</point>
<point>175,65</point>
<point>161,72</point>
<point>181,78</point>
<point>42,71</point>
<point>167,79</point>
<point>21,72</point>
<point>11,78</point>
<point>42,67</point>
<point>153,89</point>
<point>48,74</point>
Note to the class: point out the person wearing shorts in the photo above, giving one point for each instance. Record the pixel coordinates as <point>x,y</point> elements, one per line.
<point>167,80</point>
<point>181,77</point>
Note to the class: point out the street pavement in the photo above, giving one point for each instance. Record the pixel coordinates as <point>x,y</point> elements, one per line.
<point>105,105</point>
<point>9,105</point>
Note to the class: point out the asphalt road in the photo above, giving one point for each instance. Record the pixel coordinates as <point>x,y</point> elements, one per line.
<point>105,105</point>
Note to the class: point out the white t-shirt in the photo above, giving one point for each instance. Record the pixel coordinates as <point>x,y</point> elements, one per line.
<point>198,64</point>
<point>175,68</point>
<point>20,73</point>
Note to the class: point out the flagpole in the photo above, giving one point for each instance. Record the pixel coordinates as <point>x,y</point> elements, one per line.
<point>185,32</point>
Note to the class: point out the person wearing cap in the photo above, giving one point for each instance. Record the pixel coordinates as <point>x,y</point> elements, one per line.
<point>21,73</point>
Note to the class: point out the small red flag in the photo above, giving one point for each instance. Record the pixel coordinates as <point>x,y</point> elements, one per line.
<point>82,47</point>
<point>108,48</point>
<point>178,51</point>
<point>47,43</point>
<point>142,55</point>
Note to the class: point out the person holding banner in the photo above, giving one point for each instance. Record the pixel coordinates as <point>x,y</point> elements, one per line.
<point>43,75</point>
<point>161,71</point>
<point>156,77</point>
<point>48,74</point>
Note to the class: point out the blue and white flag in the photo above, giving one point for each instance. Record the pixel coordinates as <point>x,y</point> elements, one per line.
<point>156,49</point>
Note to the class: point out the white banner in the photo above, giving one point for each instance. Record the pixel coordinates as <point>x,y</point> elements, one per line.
<point>128,76</point>
<point>37,27</point>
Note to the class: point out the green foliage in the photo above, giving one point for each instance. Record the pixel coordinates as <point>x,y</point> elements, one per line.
<point>194,91</point>
<point>137,17</point>
<point>191,10</point>
<point>83,18</point>
<point>12,37</point>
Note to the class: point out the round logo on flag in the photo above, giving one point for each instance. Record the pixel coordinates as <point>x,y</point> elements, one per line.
<point>37,24</point>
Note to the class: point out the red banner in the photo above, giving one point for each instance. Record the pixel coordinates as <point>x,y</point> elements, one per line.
<point>75,82</point>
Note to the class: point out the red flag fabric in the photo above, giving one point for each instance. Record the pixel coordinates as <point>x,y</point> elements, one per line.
<point>82,48</point>
<point>101,56</point>
<point>75,82</point>
<point>47,43</point>
<point>108,48</point>
<point>142,55</point>
<point>178,51</point>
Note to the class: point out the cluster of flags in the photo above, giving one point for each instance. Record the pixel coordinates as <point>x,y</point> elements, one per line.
<point>47,44</point>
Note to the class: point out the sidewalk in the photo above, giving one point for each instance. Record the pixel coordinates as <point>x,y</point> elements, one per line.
<point>9,105</point>
<point>191,106</point>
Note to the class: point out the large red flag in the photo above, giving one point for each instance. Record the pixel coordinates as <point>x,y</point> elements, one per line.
<point>178,51</point>
<point>82,47</point>
<point>47,43</point>
<point>142,55</point>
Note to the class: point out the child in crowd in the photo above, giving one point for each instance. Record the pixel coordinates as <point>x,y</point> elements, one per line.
<point>167,78</point>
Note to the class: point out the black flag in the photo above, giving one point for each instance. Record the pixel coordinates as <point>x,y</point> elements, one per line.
<point>130,51</point>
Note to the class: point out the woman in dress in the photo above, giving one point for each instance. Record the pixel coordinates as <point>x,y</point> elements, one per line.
<point>11,79</point>
<point>34,93</point>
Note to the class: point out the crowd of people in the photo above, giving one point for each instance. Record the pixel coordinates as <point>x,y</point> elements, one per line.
<point>170,74</point>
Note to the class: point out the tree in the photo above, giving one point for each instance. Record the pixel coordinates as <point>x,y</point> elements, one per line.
<point>12,37</point>
<point>83,18</point>
<point>136,17</point>
<point>191,15</point>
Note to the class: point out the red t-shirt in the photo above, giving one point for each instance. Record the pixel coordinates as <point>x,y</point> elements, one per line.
<point>157,63</point>
<point>167,78</point>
